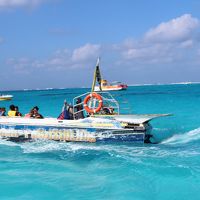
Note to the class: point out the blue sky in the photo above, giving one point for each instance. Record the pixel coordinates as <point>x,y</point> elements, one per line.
<point>55,43</point>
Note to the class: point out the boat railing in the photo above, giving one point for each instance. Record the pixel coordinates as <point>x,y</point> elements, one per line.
<point>109,105</point>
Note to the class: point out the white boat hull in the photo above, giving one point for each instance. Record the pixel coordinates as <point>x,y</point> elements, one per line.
<point>5,97</point>
<point>97,89</point>
<point>92,129</point>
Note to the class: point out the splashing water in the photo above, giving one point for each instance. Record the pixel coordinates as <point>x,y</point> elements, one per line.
<point>187,137</point>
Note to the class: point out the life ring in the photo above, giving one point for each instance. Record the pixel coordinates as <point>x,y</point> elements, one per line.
<point>96,96</point>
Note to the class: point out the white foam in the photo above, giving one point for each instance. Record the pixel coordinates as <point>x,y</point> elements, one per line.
<point>184,138</point>
<point>178,83</point>
<point>133,153</point>
<point>40,146</point>
<point>7,143</point>
<point>123,151</point>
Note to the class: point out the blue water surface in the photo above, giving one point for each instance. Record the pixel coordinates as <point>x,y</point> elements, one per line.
<point>57,170</point>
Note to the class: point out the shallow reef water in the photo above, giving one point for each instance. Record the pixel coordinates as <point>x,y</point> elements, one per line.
<point>56,170</point>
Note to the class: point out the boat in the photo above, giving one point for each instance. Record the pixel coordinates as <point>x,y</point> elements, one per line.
<point>102,122</point>
<point>104,85</point>
<point>114,86</point>
<point>5,97</point>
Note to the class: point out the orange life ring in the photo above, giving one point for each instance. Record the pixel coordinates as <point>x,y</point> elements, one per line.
<point>96,96</point>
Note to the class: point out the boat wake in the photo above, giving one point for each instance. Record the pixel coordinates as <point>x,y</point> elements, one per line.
<point>45,146</point>
<point>7,143</point>
<point>134,153</point>
<point>125,151</point>
<point>185,138</point>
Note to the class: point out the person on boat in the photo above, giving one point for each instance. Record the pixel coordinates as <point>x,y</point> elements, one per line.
<point>30,114</point>
<point>17,111</point>
<point>67,112</point>
<point>12,111</point>
<point>79,109</point>
<point>106,110</point>
<point>36,114</point>
<point>3,111</point>
<point>71,112</point>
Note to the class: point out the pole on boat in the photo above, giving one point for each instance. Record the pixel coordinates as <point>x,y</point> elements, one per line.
<point>97,76</point>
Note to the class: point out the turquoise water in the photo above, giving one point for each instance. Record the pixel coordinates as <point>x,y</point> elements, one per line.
<point>53,170</point>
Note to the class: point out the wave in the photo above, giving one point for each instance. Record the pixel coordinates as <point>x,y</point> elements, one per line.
<point>184,83</point>
<point>154,84</point>
<point>187,137</point>
<point>7,143</point>
<point>43,145</point>
<point>134,153</point>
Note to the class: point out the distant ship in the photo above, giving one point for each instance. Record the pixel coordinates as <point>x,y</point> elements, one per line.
<point>104,85</point>
<point>5,97</point>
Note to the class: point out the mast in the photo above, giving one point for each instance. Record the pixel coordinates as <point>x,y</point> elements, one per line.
<point>97,76</point>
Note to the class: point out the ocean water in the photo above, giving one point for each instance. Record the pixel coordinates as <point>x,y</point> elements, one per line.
<point>56,170</point>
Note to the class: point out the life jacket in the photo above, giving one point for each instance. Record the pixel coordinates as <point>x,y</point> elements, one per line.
<point>11,113</point>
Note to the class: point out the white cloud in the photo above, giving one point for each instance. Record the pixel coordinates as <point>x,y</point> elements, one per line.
<point>19,3</point>
<point>77,58</point>
<point>161,46</point>
<point>176,29</point>
<point>167,43</point>
<point>187,43</point>
<point>21,65</point>
<point>156,53</point>
<point>86,52</point>
<point>62,59</point>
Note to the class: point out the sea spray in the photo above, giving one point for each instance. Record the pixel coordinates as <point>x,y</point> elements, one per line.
<point>184,138</point>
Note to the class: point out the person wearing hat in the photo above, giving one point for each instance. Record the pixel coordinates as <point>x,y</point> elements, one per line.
<point>36,114</point>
